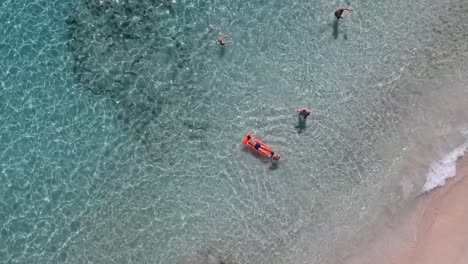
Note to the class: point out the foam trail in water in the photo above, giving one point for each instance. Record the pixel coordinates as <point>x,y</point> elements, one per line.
<point>444,169</point>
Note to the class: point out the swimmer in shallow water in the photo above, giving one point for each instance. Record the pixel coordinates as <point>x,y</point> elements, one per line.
<point>274,155</point>
<point>339,12</point>
<point>223,42</point>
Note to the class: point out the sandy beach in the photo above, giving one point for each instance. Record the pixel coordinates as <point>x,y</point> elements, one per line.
<point>433,230</point>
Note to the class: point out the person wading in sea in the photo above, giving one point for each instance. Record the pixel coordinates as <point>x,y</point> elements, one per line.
<point>304,112</point>
<point>339,12</point>
<point>223,42</point>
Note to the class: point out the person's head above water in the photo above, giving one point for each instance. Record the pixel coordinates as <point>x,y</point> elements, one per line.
<point>223,42</point>
<point>304,112</point>
<point>274,155</point>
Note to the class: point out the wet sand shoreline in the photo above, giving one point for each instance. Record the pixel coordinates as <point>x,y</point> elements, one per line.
<point>431,230</point>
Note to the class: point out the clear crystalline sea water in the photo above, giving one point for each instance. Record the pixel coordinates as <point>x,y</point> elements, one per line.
<point>121,124</point>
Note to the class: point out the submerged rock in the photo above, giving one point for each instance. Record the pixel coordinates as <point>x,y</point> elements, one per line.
<point>133,52</point>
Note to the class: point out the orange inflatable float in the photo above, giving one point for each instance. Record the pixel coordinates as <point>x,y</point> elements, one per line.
<point>258,146</point>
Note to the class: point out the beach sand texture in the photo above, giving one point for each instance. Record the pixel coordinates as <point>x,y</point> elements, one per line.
<point>433,230</point>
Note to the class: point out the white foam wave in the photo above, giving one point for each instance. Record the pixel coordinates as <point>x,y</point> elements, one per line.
<point>444,169</point>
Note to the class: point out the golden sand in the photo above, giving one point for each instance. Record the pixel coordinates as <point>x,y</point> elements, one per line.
<point>434,230</point>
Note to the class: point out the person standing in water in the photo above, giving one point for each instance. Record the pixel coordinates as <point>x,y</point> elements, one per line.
<point>304,112</point>
<point>339,12</point>
<point>223,42</point>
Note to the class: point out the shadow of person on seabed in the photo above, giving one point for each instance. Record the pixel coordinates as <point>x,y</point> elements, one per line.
<point>336,31</point>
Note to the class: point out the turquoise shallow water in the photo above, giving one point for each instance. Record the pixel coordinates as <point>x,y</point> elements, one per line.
<point>121,125</point>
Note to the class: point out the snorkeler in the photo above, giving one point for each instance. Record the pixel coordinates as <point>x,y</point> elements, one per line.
<point>339,12</point>
<point>222,42</point>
